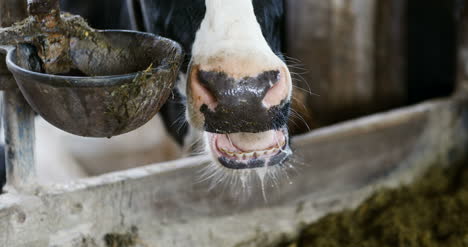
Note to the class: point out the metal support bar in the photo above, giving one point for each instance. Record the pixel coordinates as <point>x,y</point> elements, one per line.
<point>18,118</point>
<point>18,121</point>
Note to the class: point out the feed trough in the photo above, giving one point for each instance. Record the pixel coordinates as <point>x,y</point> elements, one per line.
<point>164,205</point>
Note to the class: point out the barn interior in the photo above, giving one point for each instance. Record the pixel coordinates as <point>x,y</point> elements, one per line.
<point>380,121</point>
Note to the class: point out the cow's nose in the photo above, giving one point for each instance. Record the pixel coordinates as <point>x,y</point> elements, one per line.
<point>248,104</point>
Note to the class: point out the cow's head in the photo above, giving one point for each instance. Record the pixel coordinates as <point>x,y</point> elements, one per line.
<point>238,90</point>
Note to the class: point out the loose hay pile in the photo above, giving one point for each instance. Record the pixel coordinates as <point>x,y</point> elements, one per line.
<point>431,212</point>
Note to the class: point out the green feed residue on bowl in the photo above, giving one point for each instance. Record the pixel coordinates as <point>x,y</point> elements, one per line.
<point>433,211</point>
<point>129,97</point>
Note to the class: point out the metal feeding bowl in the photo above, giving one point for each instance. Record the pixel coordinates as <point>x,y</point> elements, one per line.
<point>129,83</point>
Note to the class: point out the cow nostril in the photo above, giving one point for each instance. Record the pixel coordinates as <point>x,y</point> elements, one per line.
<point>211,88</point>
<point>201,93</point>
<point>278,91</point>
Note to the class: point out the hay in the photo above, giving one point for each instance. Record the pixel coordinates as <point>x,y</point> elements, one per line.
<point>431,212</point>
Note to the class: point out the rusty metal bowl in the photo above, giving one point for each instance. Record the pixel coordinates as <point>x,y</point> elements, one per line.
<point>133,79</point>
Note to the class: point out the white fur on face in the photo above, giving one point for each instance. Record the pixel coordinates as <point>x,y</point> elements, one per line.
<point>231,40</point>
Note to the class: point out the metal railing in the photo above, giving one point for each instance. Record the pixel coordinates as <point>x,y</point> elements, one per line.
<point>18,117</point>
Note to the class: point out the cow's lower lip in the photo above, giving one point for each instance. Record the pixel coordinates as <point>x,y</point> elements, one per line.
<point>233,157</point>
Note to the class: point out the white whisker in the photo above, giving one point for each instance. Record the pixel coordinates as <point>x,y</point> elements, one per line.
<point>295,114</point>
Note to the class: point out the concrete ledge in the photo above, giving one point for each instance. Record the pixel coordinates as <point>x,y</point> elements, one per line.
<point>164,205</point>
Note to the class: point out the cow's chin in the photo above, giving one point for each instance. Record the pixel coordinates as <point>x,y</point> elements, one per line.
<point>249,150</point>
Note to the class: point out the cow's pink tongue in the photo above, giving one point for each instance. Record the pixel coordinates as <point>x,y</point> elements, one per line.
<point>248,142</point>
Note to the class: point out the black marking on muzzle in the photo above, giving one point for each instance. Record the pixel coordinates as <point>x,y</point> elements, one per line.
<point>278,159</point>
<point>240,103</point>
<point>232,164</point>
<point>227,119</point>
<point>228,90</point>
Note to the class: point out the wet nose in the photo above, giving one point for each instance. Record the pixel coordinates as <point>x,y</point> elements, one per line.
<point>248,104</point>
<point>248,90</point>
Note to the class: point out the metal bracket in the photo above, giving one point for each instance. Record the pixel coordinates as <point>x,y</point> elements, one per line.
<point>18,117</point>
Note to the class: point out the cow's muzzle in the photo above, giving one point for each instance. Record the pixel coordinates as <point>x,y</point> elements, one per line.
<point>249,104</point>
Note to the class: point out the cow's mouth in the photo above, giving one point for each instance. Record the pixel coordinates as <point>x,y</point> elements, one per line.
<point>250,150</point>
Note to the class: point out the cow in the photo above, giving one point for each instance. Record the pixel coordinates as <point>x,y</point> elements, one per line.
<point>234,90</point>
